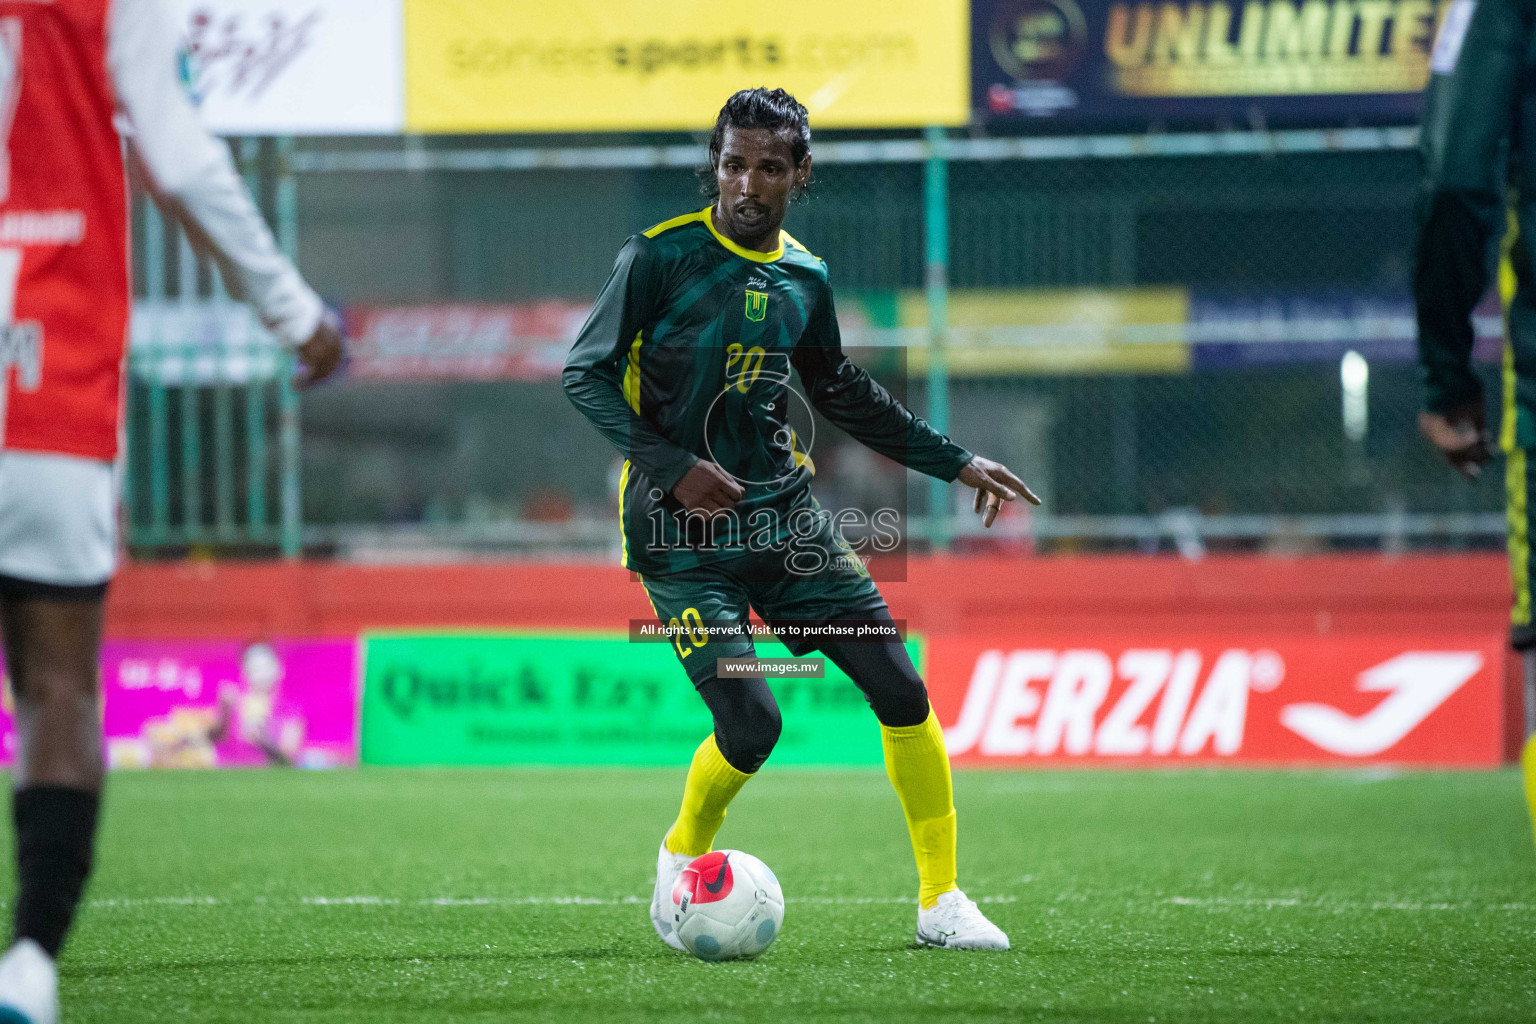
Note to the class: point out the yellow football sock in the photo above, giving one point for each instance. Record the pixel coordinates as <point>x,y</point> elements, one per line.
<point>918,765</point>
<point>712,784</point>
<point>1528,762</point>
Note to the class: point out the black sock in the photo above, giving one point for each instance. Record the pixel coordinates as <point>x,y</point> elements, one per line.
<point>55,840</point>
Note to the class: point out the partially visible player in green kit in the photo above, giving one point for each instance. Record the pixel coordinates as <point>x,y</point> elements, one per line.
<point>685,366</point>
<point>1478,144</point>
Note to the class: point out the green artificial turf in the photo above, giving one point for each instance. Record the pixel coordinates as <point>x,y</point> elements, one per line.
<point>1160,896</point>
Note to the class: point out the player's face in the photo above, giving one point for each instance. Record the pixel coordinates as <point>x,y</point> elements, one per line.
<point>757,175</point>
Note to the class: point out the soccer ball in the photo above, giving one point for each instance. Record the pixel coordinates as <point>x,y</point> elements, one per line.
<point>727,904</point>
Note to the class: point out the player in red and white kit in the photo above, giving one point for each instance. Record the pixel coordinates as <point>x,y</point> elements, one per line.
<point>72,74</point>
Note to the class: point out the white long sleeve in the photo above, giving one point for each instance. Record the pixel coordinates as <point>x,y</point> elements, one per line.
<point>191,167</point>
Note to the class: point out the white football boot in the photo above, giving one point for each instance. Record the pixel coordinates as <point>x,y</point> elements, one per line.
<point>29,986</point>
<point>668,866</point>
<point>955,922</point>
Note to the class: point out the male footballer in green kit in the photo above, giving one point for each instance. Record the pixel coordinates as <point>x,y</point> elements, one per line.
<point>1478,144</point>
<point>684,365</point>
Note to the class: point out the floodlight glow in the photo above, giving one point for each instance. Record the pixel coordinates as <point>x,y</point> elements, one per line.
<point>1355,377</point>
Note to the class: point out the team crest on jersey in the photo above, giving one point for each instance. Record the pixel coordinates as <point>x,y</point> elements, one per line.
<point>757,306</point>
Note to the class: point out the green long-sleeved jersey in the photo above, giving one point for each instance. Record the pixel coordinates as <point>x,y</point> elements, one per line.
<point>687,355</point>
<point>1478,142</point>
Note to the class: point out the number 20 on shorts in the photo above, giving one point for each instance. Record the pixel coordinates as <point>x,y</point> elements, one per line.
<point>692,628</point>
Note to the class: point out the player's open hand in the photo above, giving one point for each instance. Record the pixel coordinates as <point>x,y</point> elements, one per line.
<point>1462,437</point>
<point>995,483</point>
<point>322,353</point>
<point>707,488</point>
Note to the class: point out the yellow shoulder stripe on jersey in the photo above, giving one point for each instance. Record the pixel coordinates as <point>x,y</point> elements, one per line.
<point>632,373</point>
<point>785,236</point>
<point>675,222</point>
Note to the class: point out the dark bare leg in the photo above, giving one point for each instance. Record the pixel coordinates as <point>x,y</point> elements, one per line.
<point>51,652</point>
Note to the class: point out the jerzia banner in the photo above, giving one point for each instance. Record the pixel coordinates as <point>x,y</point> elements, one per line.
<point>1324,62</point>
<point>1236,700</point>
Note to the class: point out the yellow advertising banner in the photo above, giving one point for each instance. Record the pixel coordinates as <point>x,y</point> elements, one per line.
<point>1041,330</point>
<point>631,65</point>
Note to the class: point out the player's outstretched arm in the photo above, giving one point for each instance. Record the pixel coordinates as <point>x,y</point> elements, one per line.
<point>849,397</point>
<point>191,176</point>
<point>995,483</point>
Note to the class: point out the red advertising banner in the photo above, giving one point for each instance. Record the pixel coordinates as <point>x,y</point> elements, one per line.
<point>1271,700</point>
<point>462,341</point>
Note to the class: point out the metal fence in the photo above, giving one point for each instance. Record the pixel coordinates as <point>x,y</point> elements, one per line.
<point>212,455</point>
<point>996,260</point>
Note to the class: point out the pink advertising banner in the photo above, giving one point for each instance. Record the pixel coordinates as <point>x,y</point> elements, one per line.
<point>218,704</point>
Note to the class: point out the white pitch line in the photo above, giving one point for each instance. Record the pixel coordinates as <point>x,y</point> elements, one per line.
<point>159,901</point>
<point>474,901</point>
<point>594,901</point>
<point>1339,906</point>
<point>1198,902</point>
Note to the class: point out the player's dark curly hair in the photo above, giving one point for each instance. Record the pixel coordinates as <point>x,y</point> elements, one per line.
<point>773,109</point>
